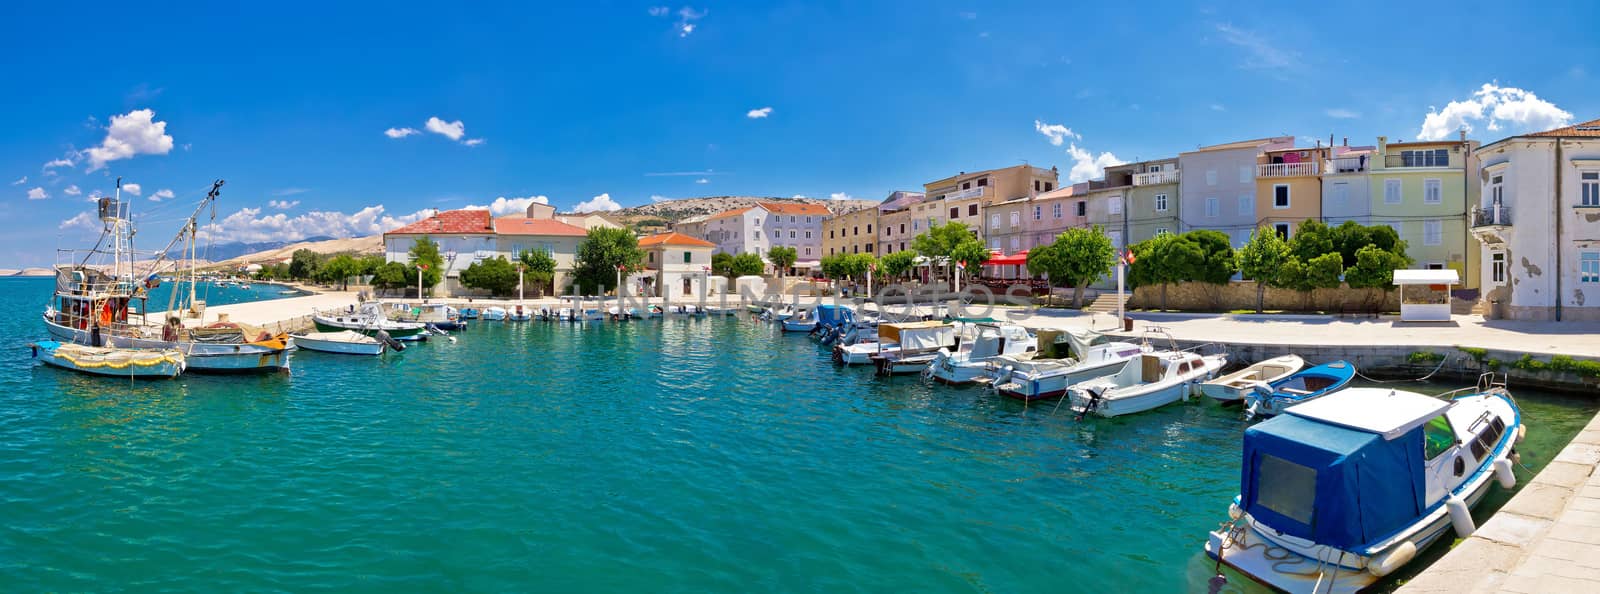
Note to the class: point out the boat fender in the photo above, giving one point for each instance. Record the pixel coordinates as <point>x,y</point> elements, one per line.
<point>1394,558</point>
<point>1502,473</point>
<point>1522,432</point>
<point>1234,511</point>
<point>1460,516</point>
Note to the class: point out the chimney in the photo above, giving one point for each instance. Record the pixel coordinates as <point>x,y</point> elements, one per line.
<point>1383,146</point>
<point>1347,141</point>
<point>1463,133</point>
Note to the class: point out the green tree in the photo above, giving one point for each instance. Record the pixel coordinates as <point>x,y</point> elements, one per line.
<point>953,242</point>
<point>1375,268</point>
<point>722,264</point>
<point>304,263</point>
<point>496,275</point>
<point>340,268</point>
<point>427,261</point>
<point>782,258</point>
<point>599,255</point>
<point>747,264</point>
<point>392,275</point>
<point>1076,258</point>
<point>1166,260</point>
<point>538,269</point>
<point>369,264</point>
<point>1349,237</point>
<point>897,264</point>
<point>1261,260</point>
<point>1216,264</point>
<point>1312,239</point>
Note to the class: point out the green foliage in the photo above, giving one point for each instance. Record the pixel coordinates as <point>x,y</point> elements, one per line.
<point>339,269</point>
<point>392,275</point>
<point>747,265</point>
<point>1349,237</point>
<point>594,270</point>
<point>1076,258</point>
<point>538,267</point>
<point>1324,272</point>
<point>1477,354</point>
<point>1424,357</point>
<point>368,264</point>
<point>897,264</point>
<point>843,266</point>
<point>496,275</point>
<point>1216,266</point>
<point>954,241</point>
<point>782,257</point>
<point>1312,239</point>
<point>1375,268</point>
<point>1262,257</point>
<point>722,264</point>
<point>971,255</point>
<point>425,252</point>
<point>1164,259</point>
<point>304,263</point>
<point>1558,364</point>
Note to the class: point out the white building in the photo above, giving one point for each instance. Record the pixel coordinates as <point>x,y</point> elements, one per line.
<point>469,236</point>
<point>1538,220</point>
<point>679,266</point>
<point>756,229</point>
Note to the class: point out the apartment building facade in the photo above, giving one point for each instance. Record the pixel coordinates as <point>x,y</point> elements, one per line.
<point>1218,189</point>
<point>1153,203</point>
<point>853,232</point>
<point>1421,189</point>
<point>1289,188</point>
<point>965,197</point>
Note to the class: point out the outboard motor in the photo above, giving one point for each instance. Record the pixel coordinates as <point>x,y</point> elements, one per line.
<point>389,341</point>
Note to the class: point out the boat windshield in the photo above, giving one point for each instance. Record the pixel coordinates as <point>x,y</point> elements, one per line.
<point>1287,488</point>
<point>1438,437</point>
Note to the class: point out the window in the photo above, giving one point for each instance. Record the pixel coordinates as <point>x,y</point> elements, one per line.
<point>1153,169</point>
<point>1432,193</point>
<point>688,257</point>
<point>1247,205</point>
<point>1426,158</point>
<point>808,235</point>
<point>1161,202</point>
<point>1038,213</point>
<point>966,186</point>
<point>994,221</point>
<point>1016,218</point>
<point>791,218</point>
<point>1016,242</point>
<point>1391,191</point>
<point>869,247</point>
<point>1589,266</point>
<point>1280,196</point>
<point>955,212</point>
<point>808,219</point>
<point>1282,229</point>
<point>903,227</point>
<point>1037,185</point>
<point>1116,238</point>
<point>1497,267</point>
<point>1114,205</point>
<point>1055,210</point>
<point>869,228</point>
<point>1496,189</point>
<point>830,234</point>
<point>1339,193</point>
<point>1244,174</point>
<point>1286,488</point>
<point>650,257</point>
<point>1591,188</point>
<point>808,251</point>
<point>1211,177</point>
<point>1161,231</point>
<point>758,221</point>
<point>1083,208</point>
<point>915,223</point>
<point>1049,186</point>
<point>1437,437</point>
<point>1435,266</point>
<point>983,181</point>
<point>972,210</point>
<point>1433,232</point>
<point>1399,229</point>
<point>994,244</point>
<point>791,234</point>
<point>855,230</point>
<point>1213,208</point>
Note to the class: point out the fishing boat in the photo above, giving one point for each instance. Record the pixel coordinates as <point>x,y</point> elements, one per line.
<point>104,304</point>
<point>1339,492</point>
<point>1093,355</point>
<point>1305,386</point>
<point>1149,381</point>
<point>520,313</point>
<point>494,313</point>
<point>368,319</point>
<point>916,344</point>
<point>438,315</point>
<point>1234,386</point>
<point>970,361</point>
<point>111,361</point>
<point>346,342</point>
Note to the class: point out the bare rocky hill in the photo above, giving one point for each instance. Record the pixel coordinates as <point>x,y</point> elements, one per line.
<point>355,245</point>
<point>683,208</point>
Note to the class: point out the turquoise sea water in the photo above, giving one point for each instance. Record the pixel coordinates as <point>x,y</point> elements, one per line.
<point>666,456</point>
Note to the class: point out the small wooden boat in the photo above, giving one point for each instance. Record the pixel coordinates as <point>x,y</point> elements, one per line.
<point>111,361</point>
<point>347,342</point>
<point>1305,386</point>
<point>1234,386</point>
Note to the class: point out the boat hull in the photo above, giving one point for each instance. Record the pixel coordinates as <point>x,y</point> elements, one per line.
<point>340,347</point>
<point>1054,385</point>
<point>397,332</point>
<point>200,357</point>
<point>154,365</point>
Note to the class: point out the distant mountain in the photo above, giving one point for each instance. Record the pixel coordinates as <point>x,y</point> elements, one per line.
<point>371,244</point>
<point>673,211</point>
<point>228,251</point>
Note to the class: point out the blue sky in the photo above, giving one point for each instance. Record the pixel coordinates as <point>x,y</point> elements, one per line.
<point>291,103</point>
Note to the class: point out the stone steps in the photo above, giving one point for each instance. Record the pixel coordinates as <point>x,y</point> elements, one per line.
<point>1105,303</point>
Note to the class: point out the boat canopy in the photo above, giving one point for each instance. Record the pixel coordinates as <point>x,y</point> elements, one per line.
<point>917,335</point>
<point>834,315</point>
<point>1334,485</point>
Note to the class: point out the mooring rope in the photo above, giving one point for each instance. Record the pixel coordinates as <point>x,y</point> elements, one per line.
<point>1424,378</point>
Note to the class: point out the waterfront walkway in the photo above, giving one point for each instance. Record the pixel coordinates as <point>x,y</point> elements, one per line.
<point>1545,540</point>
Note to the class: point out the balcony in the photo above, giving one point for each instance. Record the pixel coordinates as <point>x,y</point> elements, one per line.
<point>1287,169</point>
<point>1346,165</point>
<point>1155,177</point>
<point>1491,224</point>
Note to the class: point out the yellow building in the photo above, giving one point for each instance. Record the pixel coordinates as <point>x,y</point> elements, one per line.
<point>1289,188</point>
<point>854,232</point>
<point>964,196</point>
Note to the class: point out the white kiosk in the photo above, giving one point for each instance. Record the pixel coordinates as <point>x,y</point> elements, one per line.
<point>1428,297</point>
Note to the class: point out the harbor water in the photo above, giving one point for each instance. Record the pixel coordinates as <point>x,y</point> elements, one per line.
<point>700,455</point>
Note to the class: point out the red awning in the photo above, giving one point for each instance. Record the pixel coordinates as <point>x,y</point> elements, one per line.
<point>1016,259</point>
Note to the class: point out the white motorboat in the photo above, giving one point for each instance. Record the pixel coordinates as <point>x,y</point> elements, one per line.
<point>438,315</point>
<point>1234,386</point>
<point>1093,355</point>
<point>1344,490</point>
<point>566,314</point>
<point>916,345</point>
<point>520,313</point>
<point>111,361</point>
<point>1147,382</point>
<point>804,321</point>
<point>970,361</point>
<point>345,342</point>
<point>368,319</point>
<point>494,313</point>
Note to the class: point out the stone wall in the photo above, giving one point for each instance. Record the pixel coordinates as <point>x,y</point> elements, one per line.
<point>1242,295</point>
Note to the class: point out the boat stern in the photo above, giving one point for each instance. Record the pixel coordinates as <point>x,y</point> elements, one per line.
<point>1244,550</point>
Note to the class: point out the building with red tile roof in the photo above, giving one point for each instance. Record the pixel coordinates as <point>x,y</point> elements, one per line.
<point>449,221</point>
<point>674,239</point>
<point>679,267</point>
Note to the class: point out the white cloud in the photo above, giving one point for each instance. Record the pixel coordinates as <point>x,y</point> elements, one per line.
<point>659,11</point>
<point>452,130</point>
<point>38,194</point>
<point>1260,54</point>
<point>1057,133</point>
<point>756,114</point>
<point>1497,107</point>
<point>702,181</point>
<point>20,181</point>
<point>130,134</point>
<point>68,161</point>
<point>1342,113</point>
<point>840,196</point>
<point>503,206</point>
<point>283,204</point>
<point>800,197</point>
<point>686,18</point>
<point>289,192</point>
<point>1087,165</point>
<point>1218,107</point>
<point>400,132</point>
<point>83,221</point>
<point>658,198</point>
<point>602,202</point>
<point>72,190</point>
<point>472,141</point>
<point>162,194</point>
<point>247,225</point>
<point>134,189</point>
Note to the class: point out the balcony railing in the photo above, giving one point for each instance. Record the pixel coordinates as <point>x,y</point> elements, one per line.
<point>1495,215</point>
<point>1286,169</point>
<point>1155,177</point>
<point>1346,165</point>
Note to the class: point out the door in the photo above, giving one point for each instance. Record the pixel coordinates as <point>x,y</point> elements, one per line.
<point>688,287</point>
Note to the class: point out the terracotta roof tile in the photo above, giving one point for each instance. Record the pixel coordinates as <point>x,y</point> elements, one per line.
<point>794,208</point>
<point>1589,129</point>
<point>450,221</point>
<point>674,238</point>
<point>527,226</point>
<point>728,213</point>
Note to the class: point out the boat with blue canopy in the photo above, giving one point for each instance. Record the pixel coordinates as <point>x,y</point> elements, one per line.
<point>1305,386</point>
<point>1339,492</point>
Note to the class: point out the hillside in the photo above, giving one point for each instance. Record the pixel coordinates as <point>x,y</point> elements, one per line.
<point>359,245</point>
<point>676,210</point>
